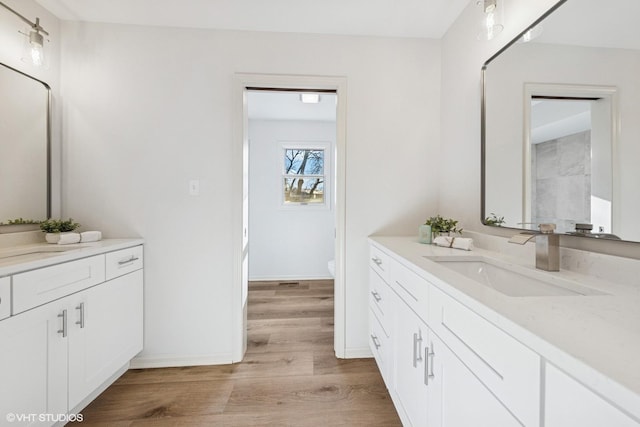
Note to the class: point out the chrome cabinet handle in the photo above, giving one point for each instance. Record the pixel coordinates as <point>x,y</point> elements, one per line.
<point>81,321</point>
<point>417,354</point>
<point>376,341</point>
<point>376,296</point>
<point>419,345</point>
<point>431,354</point>
<point>63,331</point>
<point>128,261</point>
<point>426,369</point>
<point>377,261</point>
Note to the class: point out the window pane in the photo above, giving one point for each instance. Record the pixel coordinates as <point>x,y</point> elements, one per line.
<point>304,190</point>
<point>303,162</point>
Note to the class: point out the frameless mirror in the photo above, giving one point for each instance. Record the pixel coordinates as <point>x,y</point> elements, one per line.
<point>559,123</point>
<point>24,147</point>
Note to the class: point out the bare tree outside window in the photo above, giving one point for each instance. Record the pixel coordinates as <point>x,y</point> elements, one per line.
<point>303,176</point>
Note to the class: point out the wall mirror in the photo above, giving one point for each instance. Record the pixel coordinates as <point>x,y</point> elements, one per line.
<point>24,148</point>
<point>560,128</point>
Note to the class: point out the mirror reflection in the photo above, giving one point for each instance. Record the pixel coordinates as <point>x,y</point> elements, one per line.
<point>560,129</point>
<point>24,147</point>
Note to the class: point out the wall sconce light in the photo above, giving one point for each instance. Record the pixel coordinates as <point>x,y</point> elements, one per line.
<point>34,44</point>
<point>491,19</point>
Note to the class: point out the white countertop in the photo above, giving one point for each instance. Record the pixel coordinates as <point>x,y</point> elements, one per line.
<point>595,339</point>
<point>37,255</point>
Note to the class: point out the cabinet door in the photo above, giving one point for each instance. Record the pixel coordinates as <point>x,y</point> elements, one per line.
<point>33,362</point>
<point>456,397</point>
<point>410,388</point>
<point>106,333</point>
<point>569,403</point>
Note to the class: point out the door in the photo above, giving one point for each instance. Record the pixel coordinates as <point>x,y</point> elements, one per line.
<point>105,333</point>
<point>410,340</point>
<point>34,356</point>
<point>456,397</point>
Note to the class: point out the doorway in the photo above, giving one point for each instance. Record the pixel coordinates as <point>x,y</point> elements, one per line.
<point>310,189</point>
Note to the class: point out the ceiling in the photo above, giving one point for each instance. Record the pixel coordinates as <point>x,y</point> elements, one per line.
<point>392,18</point>
<point>269,105</point>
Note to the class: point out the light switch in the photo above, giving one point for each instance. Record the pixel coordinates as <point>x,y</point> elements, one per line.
<point>194,187</point>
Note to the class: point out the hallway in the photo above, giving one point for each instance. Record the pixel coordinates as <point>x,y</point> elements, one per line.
<point>289,376</point>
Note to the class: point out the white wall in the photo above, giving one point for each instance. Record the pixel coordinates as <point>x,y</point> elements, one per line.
<point>287,243</point>
<point>147,109</point>
<point>11,49</point>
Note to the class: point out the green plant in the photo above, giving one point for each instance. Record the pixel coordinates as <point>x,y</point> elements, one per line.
<point>58,225</point>
<point>494,219</point>
<point>443,225</point>
<point>21,221</point>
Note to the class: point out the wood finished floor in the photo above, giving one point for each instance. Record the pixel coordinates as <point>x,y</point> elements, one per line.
<point>289,376</point>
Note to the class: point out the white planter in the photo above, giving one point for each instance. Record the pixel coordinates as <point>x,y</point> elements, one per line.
<point>55,237</point>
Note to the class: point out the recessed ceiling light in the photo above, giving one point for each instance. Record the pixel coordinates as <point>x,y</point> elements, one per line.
<point>310,98</point>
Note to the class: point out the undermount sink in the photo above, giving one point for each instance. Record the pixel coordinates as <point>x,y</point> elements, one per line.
<point>38,250</point>
<point>512,280</point>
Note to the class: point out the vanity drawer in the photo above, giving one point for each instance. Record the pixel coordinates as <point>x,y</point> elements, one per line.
<point>379,262</point>
<point>124,261</point>
<point>38,287</point>
<point>5,297</point>
<point>411,288</point>
<point>379,344</point>
<point>379,300</point>
<point>504,365</point>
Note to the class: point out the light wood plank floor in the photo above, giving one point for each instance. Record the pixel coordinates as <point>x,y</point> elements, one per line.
<point>289,376</point>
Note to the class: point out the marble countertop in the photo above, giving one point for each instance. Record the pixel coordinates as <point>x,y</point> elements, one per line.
<point>595,338</point>
<point>37,255</point>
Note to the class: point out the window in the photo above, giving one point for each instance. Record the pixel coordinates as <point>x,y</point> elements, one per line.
<point>304,177</point>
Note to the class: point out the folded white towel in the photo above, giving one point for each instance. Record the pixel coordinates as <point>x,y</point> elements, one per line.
<point>68,238</point>
<point>90,236</point>
<point>463,243</point>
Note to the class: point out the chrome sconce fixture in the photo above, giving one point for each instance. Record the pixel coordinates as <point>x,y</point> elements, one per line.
<point>491,19</point>
<point>34,44</point>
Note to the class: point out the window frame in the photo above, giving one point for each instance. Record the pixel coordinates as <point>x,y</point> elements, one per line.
<point>326,147</point>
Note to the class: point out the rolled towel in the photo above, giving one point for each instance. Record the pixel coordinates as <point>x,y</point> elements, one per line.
<point>463,243</point>
<point>68,238</point>
<point>90,236</point>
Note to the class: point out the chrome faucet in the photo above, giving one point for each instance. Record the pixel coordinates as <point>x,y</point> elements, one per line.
<point>547,246</point>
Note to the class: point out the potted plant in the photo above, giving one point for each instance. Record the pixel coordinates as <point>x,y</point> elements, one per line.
<point>494,220</point>
<point>54,228</point>
<point>442,226</point>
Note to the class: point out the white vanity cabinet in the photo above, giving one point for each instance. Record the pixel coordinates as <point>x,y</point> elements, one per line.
<point>381,315</point>
<point>58,354</point>
<point>451,368</point>
<point>5,297</point>
<point>569,403</point>
<point>33,361</point>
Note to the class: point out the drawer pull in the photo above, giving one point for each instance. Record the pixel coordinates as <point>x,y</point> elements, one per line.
<point>128,261</point>
<point>63,331</point>
<point>376,296</point>
<point>375,340</point>
<point>377,261</point>
<point>81,321</point>
<point>417,343</point>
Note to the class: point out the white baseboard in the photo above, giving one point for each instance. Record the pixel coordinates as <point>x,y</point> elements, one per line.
<point>288,279</point>
<point>146,362</point>
<point>357,353</point>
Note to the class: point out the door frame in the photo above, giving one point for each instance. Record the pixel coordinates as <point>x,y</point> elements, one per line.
<point>240,172</point>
